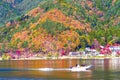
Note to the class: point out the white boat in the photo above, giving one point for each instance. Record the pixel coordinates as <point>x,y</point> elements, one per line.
<point>81,68</point>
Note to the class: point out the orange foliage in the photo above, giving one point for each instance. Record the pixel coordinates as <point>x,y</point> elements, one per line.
<point>71,38</point>
<point>100,13</point>
<point>12,23</point>
<point>91,12</point>
<point>8,24</point>
<point>116,21</point>
<point>57,16</point>
<point>113,1</point>
<point>89,3</point>
<point>21,35</point>
<point>39,39</point>
<point>34,12</point>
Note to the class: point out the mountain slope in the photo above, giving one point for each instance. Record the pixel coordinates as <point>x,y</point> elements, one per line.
<point>64,24</point>
<point>95,12</point>
<point>10,9</point>
<point>57,16</point>
<point>51,31</point>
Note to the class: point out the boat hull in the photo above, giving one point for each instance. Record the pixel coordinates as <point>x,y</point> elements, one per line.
<point>81,68</point>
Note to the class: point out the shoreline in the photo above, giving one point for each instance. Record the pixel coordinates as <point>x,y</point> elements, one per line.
<point>63,57</point>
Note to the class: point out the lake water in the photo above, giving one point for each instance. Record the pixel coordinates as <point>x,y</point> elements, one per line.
<point>104,69</point>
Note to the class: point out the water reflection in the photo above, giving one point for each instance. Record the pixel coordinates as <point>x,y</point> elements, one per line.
<point>114,64</point>
<point>103,68</point>
<point>99,64</point>
<point>107,64</point>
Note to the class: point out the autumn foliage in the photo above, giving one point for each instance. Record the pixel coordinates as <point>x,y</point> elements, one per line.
<point>62,25</point>
<point>39,39</point>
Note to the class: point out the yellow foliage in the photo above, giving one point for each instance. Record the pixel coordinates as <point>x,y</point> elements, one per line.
<point>69,37</point>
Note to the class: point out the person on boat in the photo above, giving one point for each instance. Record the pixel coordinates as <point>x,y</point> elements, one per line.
<point>83,65</point>
<point>71,67</point>
<point>77,65</point>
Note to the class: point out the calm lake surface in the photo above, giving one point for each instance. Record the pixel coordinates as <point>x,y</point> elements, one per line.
<point>104,69</point>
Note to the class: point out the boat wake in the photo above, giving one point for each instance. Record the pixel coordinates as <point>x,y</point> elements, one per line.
<point>64,69</point>
<point>74,69</point>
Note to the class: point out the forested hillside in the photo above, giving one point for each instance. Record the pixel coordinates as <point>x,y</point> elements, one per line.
<point>11,9</point>
<point>63,24</point>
